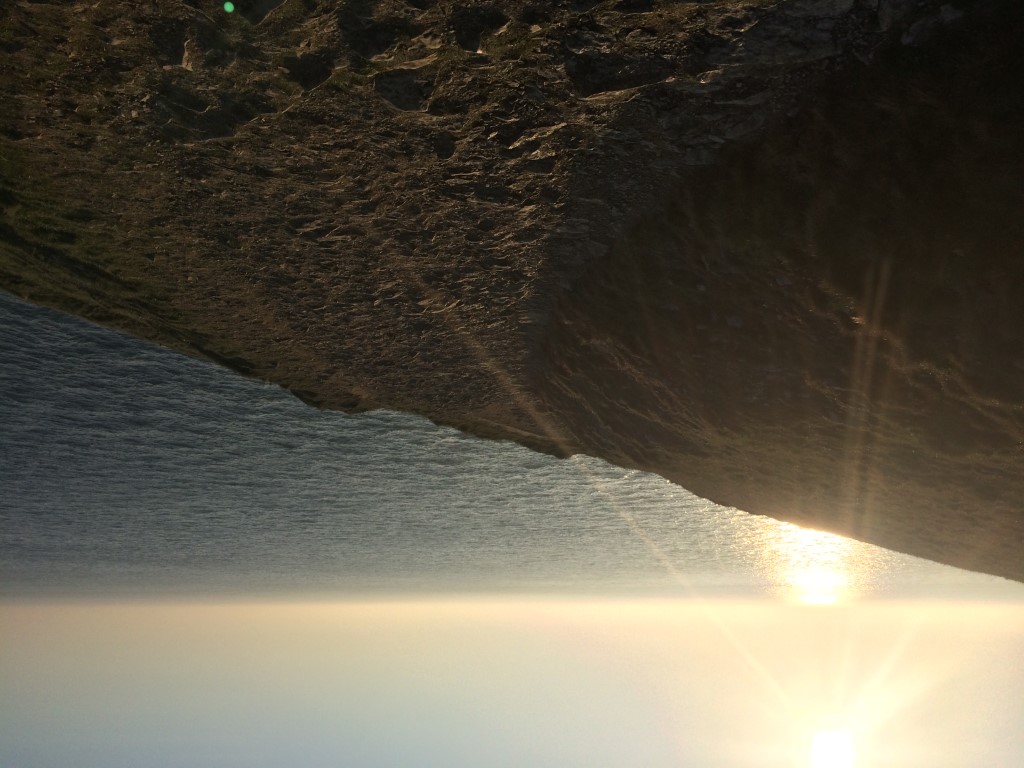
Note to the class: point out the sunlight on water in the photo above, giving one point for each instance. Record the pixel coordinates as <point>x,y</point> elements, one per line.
<point>129,469</point>
<point>819,586</point>
<point>811,567</point>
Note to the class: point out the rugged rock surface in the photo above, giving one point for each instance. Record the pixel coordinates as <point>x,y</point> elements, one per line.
<point>769,250</point>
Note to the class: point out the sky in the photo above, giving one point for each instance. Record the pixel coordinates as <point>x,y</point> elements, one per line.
<point>510,682</point>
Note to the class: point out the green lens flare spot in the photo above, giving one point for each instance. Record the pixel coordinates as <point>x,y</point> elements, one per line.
<point>229,7</point>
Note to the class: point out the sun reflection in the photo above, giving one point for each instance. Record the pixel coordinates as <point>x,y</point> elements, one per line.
<point>818,585</point>
<point>832,748</point>
<point>812,567</point>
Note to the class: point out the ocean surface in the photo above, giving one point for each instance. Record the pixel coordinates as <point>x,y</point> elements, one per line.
<point>127,469</point>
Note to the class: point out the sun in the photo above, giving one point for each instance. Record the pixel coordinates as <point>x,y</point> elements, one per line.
<point>832,749</point>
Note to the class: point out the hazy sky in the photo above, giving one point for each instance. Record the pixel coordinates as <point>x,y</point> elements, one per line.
<point>508,683</point>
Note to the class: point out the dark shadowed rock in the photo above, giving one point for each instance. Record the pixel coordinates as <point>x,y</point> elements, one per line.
<point>769,250</point>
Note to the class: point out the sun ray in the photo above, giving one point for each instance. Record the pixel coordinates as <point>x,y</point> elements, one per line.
<point>551,431</point>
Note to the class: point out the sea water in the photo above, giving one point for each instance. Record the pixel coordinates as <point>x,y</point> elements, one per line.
<point>128,469</point>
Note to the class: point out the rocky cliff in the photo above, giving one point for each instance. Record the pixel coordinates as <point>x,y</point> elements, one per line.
<point>771,250</point>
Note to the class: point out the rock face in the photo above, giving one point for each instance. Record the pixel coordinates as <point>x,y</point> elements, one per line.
<point>773,251</point>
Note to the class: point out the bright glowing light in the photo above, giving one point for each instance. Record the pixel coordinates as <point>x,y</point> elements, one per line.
<point>832,749</point>
<point>818,585</point>
<point>813,566</point>
<point>229,7</point>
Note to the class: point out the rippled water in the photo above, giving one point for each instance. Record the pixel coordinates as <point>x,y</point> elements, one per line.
<point>127,468</point>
